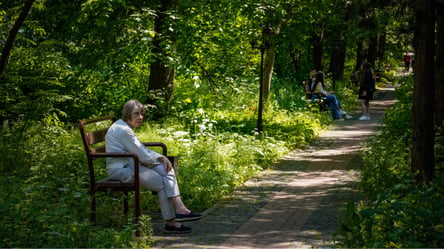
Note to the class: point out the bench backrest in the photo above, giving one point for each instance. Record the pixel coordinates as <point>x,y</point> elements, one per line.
<point>93,133</point>
<point>93,136</point>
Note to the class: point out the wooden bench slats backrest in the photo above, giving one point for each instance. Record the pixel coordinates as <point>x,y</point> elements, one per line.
<point>95,137</point>
<point>308,96</point>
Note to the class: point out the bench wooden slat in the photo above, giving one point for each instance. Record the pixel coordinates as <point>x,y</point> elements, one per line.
<point>96,136</point>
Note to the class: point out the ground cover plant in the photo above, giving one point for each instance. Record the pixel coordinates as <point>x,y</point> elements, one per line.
<point>44,179</point>
<point>394,211</point>
<point>197,67</point>
<point>49,203</point>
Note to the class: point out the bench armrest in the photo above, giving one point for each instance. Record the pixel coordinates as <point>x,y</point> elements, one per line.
<point>157,144</point>
<point>118,154</point>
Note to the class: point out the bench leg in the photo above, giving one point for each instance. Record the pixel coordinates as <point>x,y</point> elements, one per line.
<point>93,208</point>
<point>137,210</point>
<point>125,203</point>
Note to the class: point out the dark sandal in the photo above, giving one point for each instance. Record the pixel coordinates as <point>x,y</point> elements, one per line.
<point>188,217</point>
<point>181,229</point>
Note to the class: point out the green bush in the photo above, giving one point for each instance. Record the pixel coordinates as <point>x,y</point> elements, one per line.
<point>394,212</point>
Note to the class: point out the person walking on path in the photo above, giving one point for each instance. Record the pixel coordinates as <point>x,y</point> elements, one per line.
<point>407,62</point>
<point>366,90</point>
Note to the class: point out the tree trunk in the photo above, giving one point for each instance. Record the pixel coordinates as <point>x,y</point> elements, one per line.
<point>372,51</point>
<point>337,60</point>
<point>423,101</point>
<point>439,88</point>
<point>318,50</point>
<point>381,46</point>
<point>12,34</point>
<point>295,58</point>
<point>360,54</point>
<point>162,71</point>
<point>268,73</point>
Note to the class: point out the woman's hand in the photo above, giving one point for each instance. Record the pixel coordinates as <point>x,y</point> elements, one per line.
<point>166,162</point>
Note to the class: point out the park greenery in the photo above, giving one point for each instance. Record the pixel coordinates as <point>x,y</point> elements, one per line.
<point>199,68</point>
<point>393,212</point>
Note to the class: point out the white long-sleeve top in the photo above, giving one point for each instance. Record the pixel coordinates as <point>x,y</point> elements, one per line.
<point>121,138</point>
<point>320,89</point>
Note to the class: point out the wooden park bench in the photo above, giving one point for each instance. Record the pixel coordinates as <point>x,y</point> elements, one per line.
<point>93,136</point>
<point>313,102</point>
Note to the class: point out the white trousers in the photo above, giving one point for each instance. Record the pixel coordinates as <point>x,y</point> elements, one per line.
<point>155,179</point>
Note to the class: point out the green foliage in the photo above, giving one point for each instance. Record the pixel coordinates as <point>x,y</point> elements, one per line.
<point>45,179</point>
<point>394,211</point>
<point>45,197</point>
<point>79,59</point>
<point>228,151</point>
<point>33,87</point>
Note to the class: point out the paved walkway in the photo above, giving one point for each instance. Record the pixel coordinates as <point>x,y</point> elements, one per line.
<point>296,204</point>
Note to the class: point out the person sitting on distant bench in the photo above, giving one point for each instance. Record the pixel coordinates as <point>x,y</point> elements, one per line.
<point>330,99</point>
<point>309,85</point>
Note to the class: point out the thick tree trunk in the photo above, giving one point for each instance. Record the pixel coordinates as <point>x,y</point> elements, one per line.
<point>162,71</point>
<point>12,34</point>
<point>439,80</point>
<point>423,101</point>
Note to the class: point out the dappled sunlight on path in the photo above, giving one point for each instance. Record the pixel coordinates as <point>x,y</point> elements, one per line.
<point>295,204</point>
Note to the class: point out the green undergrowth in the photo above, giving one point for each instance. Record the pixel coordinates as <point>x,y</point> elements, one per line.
<point>213,160</point>
<point>44,180</point>
<point>393,211</point>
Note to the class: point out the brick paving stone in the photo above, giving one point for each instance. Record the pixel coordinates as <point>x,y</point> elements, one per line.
<point>296,203</point>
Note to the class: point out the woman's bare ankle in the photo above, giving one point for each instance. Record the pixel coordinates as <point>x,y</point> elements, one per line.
<point>183,211</point>
<point>173,223</point>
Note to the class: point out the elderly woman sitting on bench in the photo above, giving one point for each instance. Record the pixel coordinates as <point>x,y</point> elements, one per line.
<point>156,171</point>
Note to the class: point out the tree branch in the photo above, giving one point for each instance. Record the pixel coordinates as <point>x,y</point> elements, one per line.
<point>12,34</point>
